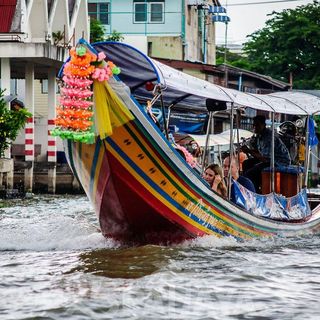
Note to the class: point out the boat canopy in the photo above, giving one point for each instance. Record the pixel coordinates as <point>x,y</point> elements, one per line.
<point>141,73</point>
<point>222,138</point>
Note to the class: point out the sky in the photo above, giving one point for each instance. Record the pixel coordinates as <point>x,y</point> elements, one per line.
<point>246,19</point>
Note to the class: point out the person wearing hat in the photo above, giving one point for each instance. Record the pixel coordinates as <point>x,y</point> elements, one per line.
<point>16,105</point>
<point>260,151</point>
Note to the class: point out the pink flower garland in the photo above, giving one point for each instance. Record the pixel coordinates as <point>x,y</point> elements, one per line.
<point>189,158</point>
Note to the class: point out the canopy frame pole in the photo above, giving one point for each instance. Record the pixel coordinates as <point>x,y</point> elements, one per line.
<point>306,165</point>
<point>307,153</point>
<point>272,139</point>
<point>231,151</point>
<point>169,114</point>
<point>154,99</point>
<point>220,155</point>
<point>272,163</point>
<point>164,116</point>
<point>207,141</point>
<point>212,131</point>
<point>238,136</point>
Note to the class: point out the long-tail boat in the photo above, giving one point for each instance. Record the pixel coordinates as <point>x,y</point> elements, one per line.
<point>141,188</point>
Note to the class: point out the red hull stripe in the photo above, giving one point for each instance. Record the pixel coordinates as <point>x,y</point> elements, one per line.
<point>162,194</point>
<point>154,201</point>
<point>195,192</point>
<point>187,191</point>
<point>102,178</point>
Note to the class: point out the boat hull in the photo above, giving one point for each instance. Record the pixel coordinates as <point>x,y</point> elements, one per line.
<point>144,192</point>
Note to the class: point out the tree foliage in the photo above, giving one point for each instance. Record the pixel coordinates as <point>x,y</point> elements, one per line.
<point>11,122</point>
<point>97,31</point>
<point>115,36</point>
<point>289,43</point>
<point>232,58</point>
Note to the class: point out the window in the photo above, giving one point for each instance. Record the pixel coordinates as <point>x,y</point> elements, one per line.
<point>99,11</point>
<point>156,12</point>
<point>140,12</point>
<point>149,12</point>
<point>44,87</point>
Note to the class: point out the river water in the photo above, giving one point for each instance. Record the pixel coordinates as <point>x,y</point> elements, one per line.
<point>54,264</point>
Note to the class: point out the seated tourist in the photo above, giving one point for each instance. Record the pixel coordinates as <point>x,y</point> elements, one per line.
<point>260,151</point>
<point>214,176</point>
<point>234,171</point>
<point>241,158</point>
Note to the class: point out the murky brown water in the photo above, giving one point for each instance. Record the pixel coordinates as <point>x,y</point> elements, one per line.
<point>56,265</point>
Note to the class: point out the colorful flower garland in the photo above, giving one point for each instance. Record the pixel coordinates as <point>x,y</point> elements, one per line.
<point>74,113</point>
<point>189,158</point>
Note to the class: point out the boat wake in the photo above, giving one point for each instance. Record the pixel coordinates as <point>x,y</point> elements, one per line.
<point>252,244</point>
<point>51,223</point>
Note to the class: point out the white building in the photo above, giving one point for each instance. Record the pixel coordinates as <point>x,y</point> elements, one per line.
<point>34,39</point>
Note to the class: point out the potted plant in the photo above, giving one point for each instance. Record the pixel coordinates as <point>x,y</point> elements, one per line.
<point>11,122</point>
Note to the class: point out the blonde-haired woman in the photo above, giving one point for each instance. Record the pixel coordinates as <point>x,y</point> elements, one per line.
<point>214,176</point>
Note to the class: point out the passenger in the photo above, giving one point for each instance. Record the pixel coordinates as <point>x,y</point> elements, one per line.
<point>260,150</point>
<point>214,176</point>
<point>16,105</point>
<point>234,171</point>
<point>241,158</point>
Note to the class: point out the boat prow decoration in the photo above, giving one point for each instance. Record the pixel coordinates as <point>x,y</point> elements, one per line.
<point>142,190</point>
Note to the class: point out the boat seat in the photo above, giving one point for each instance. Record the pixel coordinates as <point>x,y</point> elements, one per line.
<point>287,180</point>
<point>273,206</point>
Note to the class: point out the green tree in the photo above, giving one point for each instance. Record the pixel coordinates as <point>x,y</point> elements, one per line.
<point>289,43</point>
<point>97,31</point>
<point>232,58</point>
<point>115,36</point>
<point>11,122</point>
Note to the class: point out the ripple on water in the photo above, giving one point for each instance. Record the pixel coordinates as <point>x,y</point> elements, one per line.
<point>56,265</point>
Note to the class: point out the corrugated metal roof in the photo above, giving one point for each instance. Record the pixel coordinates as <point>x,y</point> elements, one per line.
<point>7,10</point>
<point>313,92</point>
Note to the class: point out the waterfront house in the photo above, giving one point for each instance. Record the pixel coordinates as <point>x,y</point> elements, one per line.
<point>34,39</point>
<point>175,29</point>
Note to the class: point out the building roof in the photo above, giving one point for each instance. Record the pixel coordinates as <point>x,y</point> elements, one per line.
<point>180,64</point>
<point>7,10</point>
<point>236,71</point>
<point>220,71</point>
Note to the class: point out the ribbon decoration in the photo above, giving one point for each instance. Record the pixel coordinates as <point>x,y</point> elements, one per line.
<point>76,111</point>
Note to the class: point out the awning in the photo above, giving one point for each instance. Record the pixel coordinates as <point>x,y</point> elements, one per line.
<point>217,9</point>
<point>178,88</point>
<point>219,18</point>
<point>187,92</point>
<point>222,138</point>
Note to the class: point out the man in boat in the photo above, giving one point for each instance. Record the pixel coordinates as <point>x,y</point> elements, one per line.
<point>234,171</point>
<point>260,151</point>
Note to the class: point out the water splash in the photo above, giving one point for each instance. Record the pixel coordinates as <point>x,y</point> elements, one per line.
<point>51,224</point>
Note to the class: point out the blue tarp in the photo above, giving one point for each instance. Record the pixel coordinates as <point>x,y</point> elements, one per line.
<point>273,206</point>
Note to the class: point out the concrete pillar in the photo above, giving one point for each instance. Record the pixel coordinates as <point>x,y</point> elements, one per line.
<point>52,148</point>
<point>6,84</point>
<point>29,129</point>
